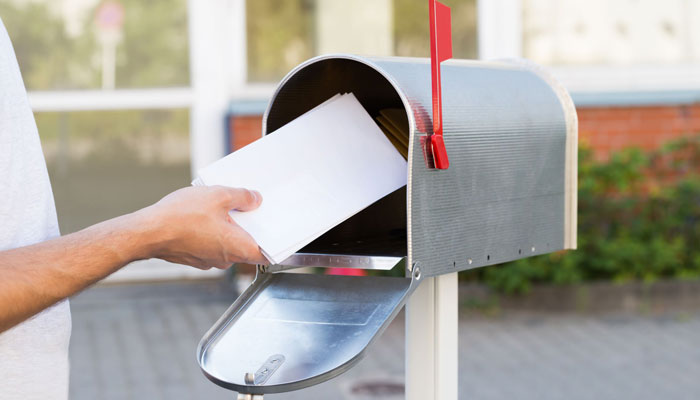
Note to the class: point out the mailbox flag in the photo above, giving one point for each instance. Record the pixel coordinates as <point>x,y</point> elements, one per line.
<point>440,50</point>
<point>441,30</point>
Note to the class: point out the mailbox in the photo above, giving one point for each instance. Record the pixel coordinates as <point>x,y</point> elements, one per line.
<point>510,131</point>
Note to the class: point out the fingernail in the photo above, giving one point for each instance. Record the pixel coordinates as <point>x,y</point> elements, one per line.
<point>258,196</point>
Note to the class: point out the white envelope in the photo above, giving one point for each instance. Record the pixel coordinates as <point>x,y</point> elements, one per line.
<point>313,173</point>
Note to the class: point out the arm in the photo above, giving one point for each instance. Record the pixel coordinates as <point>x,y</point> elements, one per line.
<point>190,226</point>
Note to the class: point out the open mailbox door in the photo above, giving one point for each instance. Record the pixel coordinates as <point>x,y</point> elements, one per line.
<point>291,331</point>
<point>509,193</point>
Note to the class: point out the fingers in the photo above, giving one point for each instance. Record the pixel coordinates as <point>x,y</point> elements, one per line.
<point>257,257</point>
<point>248,251</point>
<point>240,199</point>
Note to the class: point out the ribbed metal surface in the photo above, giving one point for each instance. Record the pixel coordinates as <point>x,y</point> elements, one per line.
<point>505,128</point>
<point>503,195</point>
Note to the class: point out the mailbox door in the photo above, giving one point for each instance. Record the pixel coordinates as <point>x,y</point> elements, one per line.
<point>291,331</point>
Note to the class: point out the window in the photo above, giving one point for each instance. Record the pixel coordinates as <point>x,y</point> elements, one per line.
<point>108,163</point>
<point>282,34</point>
<point>603,32</point>
<point>411,29</point>
<point>105,163</point>
<point>59,46</point>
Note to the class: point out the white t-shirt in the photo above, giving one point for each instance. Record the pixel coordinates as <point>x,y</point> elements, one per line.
<point>34,354</point>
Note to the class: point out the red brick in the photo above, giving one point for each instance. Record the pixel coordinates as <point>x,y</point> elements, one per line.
<point>244,130</point>
<point>694,125</point>
<point>614,128</point>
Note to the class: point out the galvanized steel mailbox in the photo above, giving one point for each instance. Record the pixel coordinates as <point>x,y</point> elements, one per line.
<point>510,132</point>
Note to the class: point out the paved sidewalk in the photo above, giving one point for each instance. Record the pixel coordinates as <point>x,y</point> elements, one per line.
<point>139,341</point>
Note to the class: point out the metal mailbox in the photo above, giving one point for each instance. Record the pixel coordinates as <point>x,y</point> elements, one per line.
<point>510,192</point>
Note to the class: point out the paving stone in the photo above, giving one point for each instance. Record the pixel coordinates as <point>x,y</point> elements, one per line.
<point>139,342</point>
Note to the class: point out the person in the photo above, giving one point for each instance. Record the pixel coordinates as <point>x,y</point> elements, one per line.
<point>39,270</point>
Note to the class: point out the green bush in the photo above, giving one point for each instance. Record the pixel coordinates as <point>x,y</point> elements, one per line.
<point>638,219</point>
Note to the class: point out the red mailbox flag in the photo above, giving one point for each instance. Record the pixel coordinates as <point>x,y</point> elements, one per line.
<point>440,50</point>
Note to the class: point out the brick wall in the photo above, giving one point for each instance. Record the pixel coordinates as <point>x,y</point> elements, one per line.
<point>244,129</point>
<point>608,129</point>
<point>605,129</point>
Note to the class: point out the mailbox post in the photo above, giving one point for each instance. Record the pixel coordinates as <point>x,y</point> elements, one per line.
<point>510,192</point>
<point>432,341</point>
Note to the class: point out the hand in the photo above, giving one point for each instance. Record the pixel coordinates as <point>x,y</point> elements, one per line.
<point>194,228</point>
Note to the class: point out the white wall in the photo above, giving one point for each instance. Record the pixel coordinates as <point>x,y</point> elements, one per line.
<point>357,26</point>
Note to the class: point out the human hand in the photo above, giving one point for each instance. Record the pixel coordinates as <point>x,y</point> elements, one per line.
<point>192,226</point>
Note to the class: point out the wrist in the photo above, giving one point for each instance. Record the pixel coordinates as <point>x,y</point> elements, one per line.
<point>146,233</point>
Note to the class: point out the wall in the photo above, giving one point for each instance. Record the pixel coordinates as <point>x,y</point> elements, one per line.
<point>604,128</point>
<point>608,129</point>
<point>243,129</point>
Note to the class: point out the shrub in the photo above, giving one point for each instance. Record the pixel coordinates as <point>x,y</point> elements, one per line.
<point>638,219</point>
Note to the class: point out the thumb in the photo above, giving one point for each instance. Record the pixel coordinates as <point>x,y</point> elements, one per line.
<point>243,199</point>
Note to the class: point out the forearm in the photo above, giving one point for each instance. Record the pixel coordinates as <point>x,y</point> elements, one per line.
<point>189,226</point>
<point>37,276</point>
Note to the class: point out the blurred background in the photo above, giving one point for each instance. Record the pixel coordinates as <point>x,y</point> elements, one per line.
<point>132,96</point>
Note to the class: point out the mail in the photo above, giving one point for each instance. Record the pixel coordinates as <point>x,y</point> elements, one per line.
<point>313,173</point>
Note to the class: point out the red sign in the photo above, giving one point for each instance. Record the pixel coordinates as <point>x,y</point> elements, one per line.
<point>110,15</point>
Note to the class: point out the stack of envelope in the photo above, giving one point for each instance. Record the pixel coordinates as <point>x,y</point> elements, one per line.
<point>392,121</point>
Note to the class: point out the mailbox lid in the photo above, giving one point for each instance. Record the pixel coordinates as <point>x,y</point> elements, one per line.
<point>297,330</point>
